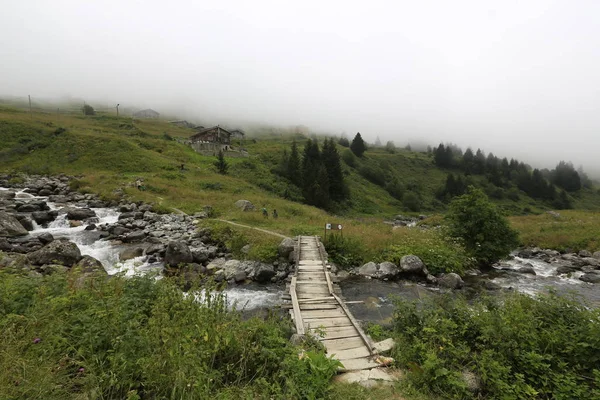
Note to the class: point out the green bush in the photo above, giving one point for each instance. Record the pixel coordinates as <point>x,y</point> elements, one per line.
<point>519,347</point>
<point>484,232</point>
<point>345,252</point>
<point>439,254</point>
<point>141,338</point>
<point>411,201</point>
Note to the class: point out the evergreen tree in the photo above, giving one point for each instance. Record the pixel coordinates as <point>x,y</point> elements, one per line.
<point>479,162</point>
<point>221,164</point>
<point>467,161</point>
<point>378,142</point>
<point>565,176</point>
<point>358,146</point>
<point>293,165</point>
<point>390,147</point>
<point>344,141</point>
<point>311,164</point>
<point>331,160</point>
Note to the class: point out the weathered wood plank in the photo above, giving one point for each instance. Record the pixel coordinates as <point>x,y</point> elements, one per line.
<point>336,312</point>
<point>336,332</point>
<point>297,314</point>
<point>358,363</point>
<point>356,352</point>
<point>318,300</point>
<point>327,322</point>
<point>322,306</point>
<point>334,345</point>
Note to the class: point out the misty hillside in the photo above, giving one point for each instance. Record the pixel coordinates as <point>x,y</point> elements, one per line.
<point>112,152</point>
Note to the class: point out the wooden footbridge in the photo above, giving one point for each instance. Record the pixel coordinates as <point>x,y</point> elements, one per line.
<point>318,310</point>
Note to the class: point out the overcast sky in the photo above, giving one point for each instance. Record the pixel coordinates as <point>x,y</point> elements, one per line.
<point>518,78</point>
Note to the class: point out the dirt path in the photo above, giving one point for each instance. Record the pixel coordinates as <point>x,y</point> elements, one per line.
<point>256,229</point>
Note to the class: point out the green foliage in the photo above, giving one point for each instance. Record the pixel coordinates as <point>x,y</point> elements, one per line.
<point>519,347</point>
<point>484,232</point>
<point>440,254</point>
<point>358,145</point>
<point>141,338</point>
<point>344,142</point>
<point>345,252</point>
<point>566,177</point>
<point>411,201</point>
<point>349,158</point>
<point>221,164</point>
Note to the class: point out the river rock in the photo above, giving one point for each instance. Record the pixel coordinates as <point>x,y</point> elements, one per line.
<point>131,252</point>
<point>58,251</point>
<point>89,264</point>
<point>565,269</point>
<point>590,278</point>
<point>489,285</point>
<point>156,248</point>
<point>244,205</point>
<point>216,264</point>
<point>10,226</point>
<point>387,270</point>
<point>5,244</point>
<point>526,269</point>
<point>135,236</point>
<point>286,247</point>
<point>369,269</point>
<point>263,273</point>
<point>584,253</point>
<point>43,217</point>
<point>233,269</point>
<point>450,281</point>
<point>594,262</point>
<point>7,195</point>
<point>28,207</point>
<point>25,221</point>
<point>177,253</point>
<point>412,265</point>
<point>79,213</point>
<point>45,238</point>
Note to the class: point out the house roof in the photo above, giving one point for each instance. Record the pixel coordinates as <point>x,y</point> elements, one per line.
<point>204,131</point>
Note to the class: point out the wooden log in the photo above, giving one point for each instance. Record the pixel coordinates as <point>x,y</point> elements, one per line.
<point>297,314</point>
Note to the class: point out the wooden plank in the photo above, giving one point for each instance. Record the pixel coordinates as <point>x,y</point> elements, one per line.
<point>297,313</point>
<point>336,312</point>
<point>321,306</point>
<point>356,352</point>
<point>327,322</point>
<point>336,332</point>
<point>310,268</point>
<point>311,282</point>
<point>317,299</point>
<point>355,323</point>
<point>354,364</point>
<point>333,345</point>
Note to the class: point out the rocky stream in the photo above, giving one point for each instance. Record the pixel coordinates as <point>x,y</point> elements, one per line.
<point>45,226</point>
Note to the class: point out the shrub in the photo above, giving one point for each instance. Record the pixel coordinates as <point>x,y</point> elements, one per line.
<point>411,201</point>
<point>438,253</point>
<point>520,347</point>
<point>63,337</point>
<point>346,252</point>
<point>484,232</point>
<point>349,158</point>
<point>88,110</point>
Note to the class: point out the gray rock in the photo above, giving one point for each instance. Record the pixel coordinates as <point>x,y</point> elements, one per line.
<point>596,255</point>
<point>565,269</point>
<point>246,249</point>
<point>489,285</point>
<point>56,252</point>
<point>526,269</point>
<point>387,270</point>
<point>588,269</point>
<point>244,205</point>
<point>131,252</point>
<point>135,236</point>
<point>342,275</point>
<point>119,230</point>
<point>43,217</point>
<point>591,261</point>
<point>79,214</point>
<point>369,269</point>
<point>200,255</point>
<point>157,248</point>
<point>7,195</point>
<point>450,281</point>
<point>412,265</point>
<point>584,253</point>
<point>263,273</point>
<point>28,207</point>
<point>25,221</point>
<point>10,226</point>
<point>286,247</point>
<point>89,264</point>
<point>239,276</point>
<point>590,278</point>
<point>5,245</point>
<point>177,253</point>
<point>232,268</point>
<point>45,238</point>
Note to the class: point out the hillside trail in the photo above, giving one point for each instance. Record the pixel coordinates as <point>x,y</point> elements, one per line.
<point>253,227</point>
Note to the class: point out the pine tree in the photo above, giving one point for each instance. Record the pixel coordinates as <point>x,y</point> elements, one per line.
<point>331,160</point>
<point>311,163</point>
<point>467,161</point>
<point>378,142</point>
<point>293,165</point>
<point>358,146</point>
<point>221,164</point>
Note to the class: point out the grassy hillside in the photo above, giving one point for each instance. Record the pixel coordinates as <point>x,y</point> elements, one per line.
<point>110,153</point>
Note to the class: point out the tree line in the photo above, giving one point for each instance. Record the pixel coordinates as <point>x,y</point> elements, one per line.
<point>318,173</point>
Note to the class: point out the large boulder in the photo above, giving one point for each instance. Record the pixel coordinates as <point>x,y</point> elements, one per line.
<point>135,236</point>
<point>451,281</point>
<point>7,194</point>
<point>43,217</point>
<point>56,252</point>
<point>584,254</point>
<point>412,265</point>
<point>89,264</point>
<point>387,270</point>
<point>234,269</point>
<point>369,269</point>
<point>286,247</point>
<point>264,272</point>
<point>177,253</point>
<point>590,278</point>
<point>79,214</point>
<point>244,205</point>
<point>131,252</point>
<point>10,226</point>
